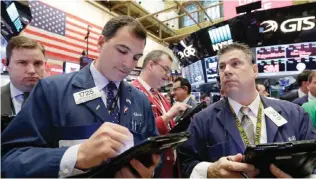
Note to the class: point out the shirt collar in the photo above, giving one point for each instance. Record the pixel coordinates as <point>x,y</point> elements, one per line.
<point>254,106</point>
<point>310,96</point>
<point>300,93</point>
<point>14,91</point>
<point>99,80</point>
<point>145,85</point>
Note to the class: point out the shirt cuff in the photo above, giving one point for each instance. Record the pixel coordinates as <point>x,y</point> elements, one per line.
<point>68,162</point>
<point>200,170</point>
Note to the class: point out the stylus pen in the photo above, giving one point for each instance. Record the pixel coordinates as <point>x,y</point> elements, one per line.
<point>242,173</point>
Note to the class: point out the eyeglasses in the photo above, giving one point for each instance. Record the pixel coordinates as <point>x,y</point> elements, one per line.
<point>166,69</point>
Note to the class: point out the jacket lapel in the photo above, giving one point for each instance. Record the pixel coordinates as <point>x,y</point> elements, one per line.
<point>271,127</point>
<point>6,102</point>
<point>226,118</point>
<point>126,102</point>
<point>83,80</point>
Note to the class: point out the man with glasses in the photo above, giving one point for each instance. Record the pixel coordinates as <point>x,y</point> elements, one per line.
<point>182,91</point>
<point>156,68</point>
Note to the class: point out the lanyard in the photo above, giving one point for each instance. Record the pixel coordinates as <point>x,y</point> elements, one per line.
<point>241,129</point>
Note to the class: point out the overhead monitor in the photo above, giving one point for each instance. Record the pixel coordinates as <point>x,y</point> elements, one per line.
<point>289,59</point>
<point>15,16</point>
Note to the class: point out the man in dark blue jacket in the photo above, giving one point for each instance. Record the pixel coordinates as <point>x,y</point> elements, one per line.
<point>311,90</point>
<point>216,143</point>
<point>76,121</point>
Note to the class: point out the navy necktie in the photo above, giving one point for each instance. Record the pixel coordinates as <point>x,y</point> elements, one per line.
<point>25,96</point>
<point>113,110</point>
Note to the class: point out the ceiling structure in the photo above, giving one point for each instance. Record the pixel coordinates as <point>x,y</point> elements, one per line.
<point>159,30</point>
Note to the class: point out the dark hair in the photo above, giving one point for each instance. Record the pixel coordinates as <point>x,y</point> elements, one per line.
<point>238,46</point>
<point>112,26</point>
<point>155,57</point>
<point>203,96</point>
<point>19,42</point>
<point>303,77</point>
<point>311,76</point>
<point>184,83</point>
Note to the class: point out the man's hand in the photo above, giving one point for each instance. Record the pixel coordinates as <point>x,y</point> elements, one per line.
<point>278,172</point>
<point>174,111</point>
<point>108,141</point>
<point>224,168</point>
<point>143,171</point>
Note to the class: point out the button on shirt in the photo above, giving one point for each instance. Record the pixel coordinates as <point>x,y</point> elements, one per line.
<point>69,159</point>
<point>200,170</point>
<point>17,98</point>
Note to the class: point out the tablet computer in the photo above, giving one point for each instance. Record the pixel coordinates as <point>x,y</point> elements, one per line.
<point>185,119</point>
<point>142,152</point>
<point>296,158</point>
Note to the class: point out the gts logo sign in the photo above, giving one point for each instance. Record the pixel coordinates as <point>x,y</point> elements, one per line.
<point>290,25</point>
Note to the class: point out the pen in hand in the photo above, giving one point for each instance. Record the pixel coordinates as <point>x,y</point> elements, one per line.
<point>242,173</point>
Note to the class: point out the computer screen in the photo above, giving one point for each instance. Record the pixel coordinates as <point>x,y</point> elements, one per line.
<point>211,68</point>
<point>286,58</point>
<point>71,67</point>
<point>3,53</point>
<point>85,61</point>
<point>194,73</point>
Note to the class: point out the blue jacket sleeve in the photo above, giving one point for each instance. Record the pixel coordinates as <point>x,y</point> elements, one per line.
<point>193,150</point>
<point>28,147</point>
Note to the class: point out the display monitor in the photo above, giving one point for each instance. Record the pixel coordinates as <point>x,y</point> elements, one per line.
<point>197,96</point>
<point>3,53</point>
<point>271,66</point>
<point>71,67</point>
<point>15,16</point>
<point>300,64</point>
<point>211,68</point>
<point>301,50</point>
<point>271,52</point>
<point>194,73</point>
<point>85,61</point>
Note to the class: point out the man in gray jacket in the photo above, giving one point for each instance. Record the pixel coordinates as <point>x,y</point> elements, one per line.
<point>182,91</point>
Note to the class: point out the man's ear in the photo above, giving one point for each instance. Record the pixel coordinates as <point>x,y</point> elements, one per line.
<point>4,61</point>
<point>150,65</point>
<point>101,41</point>
<point>255,70</point>
<point>186,88</point>
<point>306,83</point>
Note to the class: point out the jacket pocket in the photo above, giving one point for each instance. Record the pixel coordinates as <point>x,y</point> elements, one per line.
<point>72,135</point>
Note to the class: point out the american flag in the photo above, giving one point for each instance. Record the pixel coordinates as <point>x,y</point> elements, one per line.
<point>62,34</point>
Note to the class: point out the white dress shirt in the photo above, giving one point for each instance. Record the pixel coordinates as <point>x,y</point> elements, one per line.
<point>69,159</point>
<point>17,98</point>
<point>200,170</point>
<point>300,93</point>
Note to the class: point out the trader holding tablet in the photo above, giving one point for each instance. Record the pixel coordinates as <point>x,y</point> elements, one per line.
<point>73,122</point>
<point>220,133</point>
